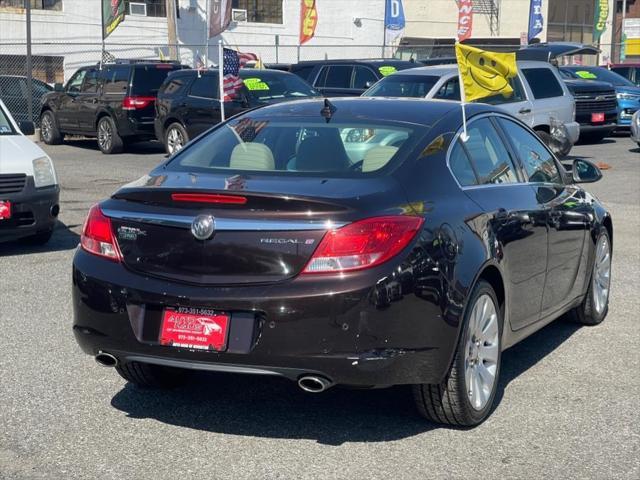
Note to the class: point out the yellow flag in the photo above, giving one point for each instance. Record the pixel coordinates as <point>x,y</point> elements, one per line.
<point>485,74</point>
<point>162,57</point>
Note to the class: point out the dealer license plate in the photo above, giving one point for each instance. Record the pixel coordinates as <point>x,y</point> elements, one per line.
<point>197,328</point>
<point>5,210</point>
<point>597,117</point>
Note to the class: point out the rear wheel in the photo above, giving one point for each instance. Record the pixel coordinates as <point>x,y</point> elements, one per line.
<point>466,396</point>
<point>108,139</point>
<point>147,375</point>
<point>595,305</point>
<point>49,132</point>
<point>175,138</point>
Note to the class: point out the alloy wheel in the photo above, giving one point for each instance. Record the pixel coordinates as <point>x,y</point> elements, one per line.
<point>105,135</point>
<point>482,351</point>
<point>175,140</point>
<point>45,128</point>
<point>602,274</point>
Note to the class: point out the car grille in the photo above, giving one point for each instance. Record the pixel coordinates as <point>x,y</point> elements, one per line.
<point>588,102</point>
<point>12,183</point>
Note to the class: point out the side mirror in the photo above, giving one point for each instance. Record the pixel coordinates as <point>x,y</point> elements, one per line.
<point>27,128</point>
<point>584,171</point>
<point>58,87</point>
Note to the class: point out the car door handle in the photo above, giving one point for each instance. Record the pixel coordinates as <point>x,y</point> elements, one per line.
<point>524,111</point>
<point>503,216</point>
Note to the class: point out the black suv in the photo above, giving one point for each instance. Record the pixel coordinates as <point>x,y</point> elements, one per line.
<point>188,102</point>
<point>114,103</point>
<point>347,78</point>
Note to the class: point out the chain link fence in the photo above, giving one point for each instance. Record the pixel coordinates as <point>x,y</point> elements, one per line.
<point>55,62</point>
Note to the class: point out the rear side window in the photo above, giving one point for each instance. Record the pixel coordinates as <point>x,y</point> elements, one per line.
<point>543,83</point>
<point>339,76</point>
<point>13,87</point>
<point>415,86</point>
<point>173,86</point>
<point>536,159</point>
<point>489,155</point>
<point>148,78</point>
<point>363,78</point>
<point>449,91</point>
<point>461,166</point>
<point>116,79</point>
<point>205,86</point>
<point>303,72</point>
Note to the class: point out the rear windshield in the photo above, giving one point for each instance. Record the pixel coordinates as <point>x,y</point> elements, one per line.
<point>416,86</point>
<point>5,125</point>
<point>148,78</point>
<point>295,145</point>
<point>263,87</point>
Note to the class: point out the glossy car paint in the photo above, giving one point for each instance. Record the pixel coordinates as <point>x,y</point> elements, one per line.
<point>397,323</point>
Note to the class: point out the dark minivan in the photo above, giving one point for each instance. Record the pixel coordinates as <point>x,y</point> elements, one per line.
<point>347,78</point>
<point>188,102</point>
<point>114,103</point>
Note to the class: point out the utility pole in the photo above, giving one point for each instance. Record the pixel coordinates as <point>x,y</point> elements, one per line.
<point>27,6</point>
<point>172,29</point>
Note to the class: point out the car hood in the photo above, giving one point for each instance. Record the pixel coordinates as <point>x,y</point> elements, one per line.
<point>17,153</point>
<point>577,86</point>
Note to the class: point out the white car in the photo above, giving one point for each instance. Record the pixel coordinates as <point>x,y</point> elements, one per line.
<point>540,99</point>
<point>29,190</point>
<point>635,127</point>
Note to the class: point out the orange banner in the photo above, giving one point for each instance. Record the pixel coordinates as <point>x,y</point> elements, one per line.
<point>308,20</point>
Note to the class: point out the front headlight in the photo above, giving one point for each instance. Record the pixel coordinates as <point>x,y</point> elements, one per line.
<point>627,96</point>
<point>43,173</point>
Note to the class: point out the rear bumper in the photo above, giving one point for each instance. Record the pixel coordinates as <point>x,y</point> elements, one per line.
<point>370,332</point>
<point>32,211</point>
<point>606,128</point>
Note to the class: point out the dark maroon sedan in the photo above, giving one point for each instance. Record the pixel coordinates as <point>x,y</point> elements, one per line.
<point>357,241</point>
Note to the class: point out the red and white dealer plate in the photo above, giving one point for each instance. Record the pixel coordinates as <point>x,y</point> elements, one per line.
<point>197,328</point>
<point>5,210</point>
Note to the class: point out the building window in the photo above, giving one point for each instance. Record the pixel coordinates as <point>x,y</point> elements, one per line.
<point>261,11</point>
<point>35,4</point>
<point>155,8</point>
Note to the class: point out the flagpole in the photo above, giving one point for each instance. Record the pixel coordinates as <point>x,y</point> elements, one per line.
<point>206,34</point>
<point>464,137</point>
<point>221,79</point>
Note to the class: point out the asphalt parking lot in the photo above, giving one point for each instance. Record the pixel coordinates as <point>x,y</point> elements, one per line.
<point>568,400</point>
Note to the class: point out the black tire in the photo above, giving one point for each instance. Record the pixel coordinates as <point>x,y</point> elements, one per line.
<point>147,375</point>
<point>40,238</point>
<point>175,132</point>
<point>592,137</point>
<point>49,132</point>
<point>448,403</point>
<point>587,313</point>
<point>545,137</point>
<point>554,146</point>
<point>109,141</point>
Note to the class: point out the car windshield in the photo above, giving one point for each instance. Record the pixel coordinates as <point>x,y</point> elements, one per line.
<point>416,86</point>
<point>5,125</point>
<point>148,78</point>
<point>263,87</point>
<point>602,74</point>
<point>294,145</point>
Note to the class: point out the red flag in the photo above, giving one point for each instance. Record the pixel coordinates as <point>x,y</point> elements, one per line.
<point>308,20</point>
<point>465,19</point>
<point>219,16</point>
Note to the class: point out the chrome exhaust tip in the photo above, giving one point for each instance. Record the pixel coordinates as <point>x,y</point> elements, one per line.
<point>106,359</point>
<point>313,383</point>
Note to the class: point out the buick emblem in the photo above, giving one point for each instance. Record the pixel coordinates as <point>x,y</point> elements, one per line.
<point>203,227</point>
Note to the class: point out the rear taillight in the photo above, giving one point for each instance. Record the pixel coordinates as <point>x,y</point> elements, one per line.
<point>363,244</point>
<point>137,103</point>
<point>97,236</point>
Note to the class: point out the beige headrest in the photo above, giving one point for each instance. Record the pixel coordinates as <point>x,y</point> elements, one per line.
<point>377,158</point>
<point>252,156</point>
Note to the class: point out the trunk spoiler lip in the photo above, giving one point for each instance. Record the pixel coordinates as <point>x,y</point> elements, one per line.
<point>222,223</point>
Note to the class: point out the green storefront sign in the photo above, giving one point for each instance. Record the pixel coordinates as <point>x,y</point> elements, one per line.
<point>600,22</point>
<point>112,16</point>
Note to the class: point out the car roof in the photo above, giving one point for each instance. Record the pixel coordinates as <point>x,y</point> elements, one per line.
<point>616,65</point>
<point>440,70</point>
<point>368,61</point>
<point>243,72</point>
<point>401,110</point>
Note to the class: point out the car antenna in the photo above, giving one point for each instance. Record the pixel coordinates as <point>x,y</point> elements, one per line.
<point>328,110</point>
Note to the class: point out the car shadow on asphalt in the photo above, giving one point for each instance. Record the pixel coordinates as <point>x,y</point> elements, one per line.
<point>63,238</point>
<point>135,148</point>
<point>273,407</point>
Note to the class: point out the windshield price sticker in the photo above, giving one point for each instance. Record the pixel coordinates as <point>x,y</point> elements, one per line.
<point>586,75</point>
<point>387,70</point>
<point>255,84</point>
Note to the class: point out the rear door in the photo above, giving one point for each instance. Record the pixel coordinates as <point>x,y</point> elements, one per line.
<point>202,109</point>
<point>512,212</point>
<point>567,215</point>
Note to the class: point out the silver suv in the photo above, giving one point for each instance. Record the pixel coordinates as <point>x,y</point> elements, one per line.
<point>540,97</point>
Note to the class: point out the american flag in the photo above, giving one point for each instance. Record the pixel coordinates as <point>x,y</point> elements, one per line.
<point>233,61</point>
